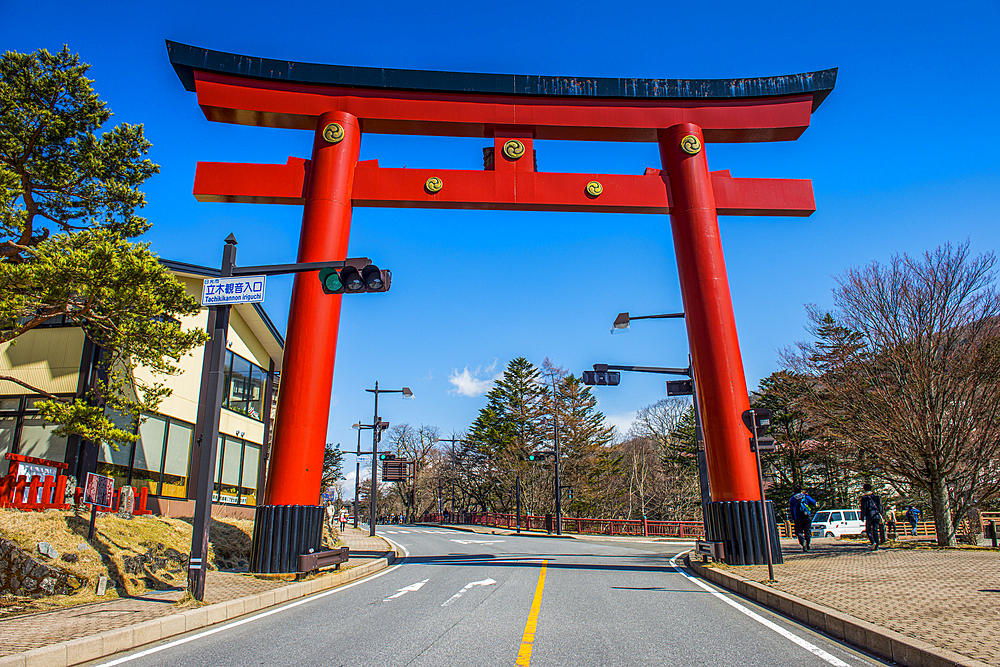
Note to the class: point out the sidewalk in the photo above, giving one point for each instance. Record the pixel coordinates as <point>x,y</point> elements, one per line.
<point>86,632</point>
<point>948,599</point>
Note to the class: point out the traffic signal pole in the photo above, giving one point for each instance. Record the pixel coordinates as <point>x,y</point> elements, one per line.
<point>374,488</point>
<point>376,437</point>
<point>206,442</point>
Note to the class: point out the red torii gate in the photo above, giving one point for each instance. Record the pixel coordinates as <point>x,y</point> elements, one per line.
<point>338,103</point>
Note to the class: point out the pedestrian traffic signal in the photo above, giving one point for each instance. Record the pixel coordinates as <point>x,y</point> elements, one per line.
<point>601,377</point>
<point>349,280</point>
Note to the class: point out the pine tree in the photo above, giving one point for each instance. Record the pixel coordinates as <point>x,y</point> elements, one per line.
<point>57,174</point>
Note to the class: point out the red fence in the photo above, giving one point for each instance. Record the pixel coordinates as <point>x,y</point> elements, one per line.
<point>50,493</point>
<point>638,527</point>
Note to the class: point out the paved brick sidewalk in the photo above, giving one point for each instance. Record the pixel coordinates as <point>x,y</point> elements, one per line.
<point>30,631</point>
<point>949,598</point>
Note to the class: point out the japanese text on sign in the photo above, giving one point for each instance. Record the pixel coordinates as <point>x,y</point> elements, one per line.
<point>221,291</point>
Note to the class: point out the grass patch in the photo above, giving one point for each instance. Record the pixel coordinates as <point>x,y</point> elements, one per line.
<point>144,554</point>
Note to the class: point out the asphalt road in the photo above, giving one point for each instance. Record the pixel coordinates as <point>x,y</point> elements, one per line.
<point>474,600</point>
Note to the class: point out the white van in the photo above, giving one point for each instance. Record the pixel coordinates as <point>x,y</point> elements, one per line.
<point>834,523</point>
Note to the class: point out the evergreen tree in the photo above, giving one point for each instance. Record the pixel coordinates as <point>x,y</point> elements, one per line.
<point>506,431</point>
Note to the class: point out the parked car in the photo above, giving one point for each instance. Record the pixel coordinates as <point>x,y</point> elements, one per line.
<point>834,523</point>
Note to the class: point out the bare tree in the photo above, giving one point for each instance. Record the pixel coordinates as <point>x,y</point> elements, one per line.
<point>905,377</point>
<point>417,445</point>
<point>668,425</point>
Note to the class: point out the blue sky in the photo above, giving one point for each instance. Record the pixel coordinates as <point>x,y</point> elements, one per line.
<point>902,156</point>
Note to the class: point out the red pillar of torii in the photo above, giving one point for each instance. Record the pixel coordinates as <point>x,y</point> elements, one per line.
<point>340,103</point>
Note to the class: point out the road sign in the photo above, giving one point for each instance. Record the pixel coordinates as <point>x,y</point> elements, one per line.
<point>680,387</point>
<point>764,445</point>
<point>763,418</point>
<point>397,470</point>
<point>99,490</point>
<point>227,291</point>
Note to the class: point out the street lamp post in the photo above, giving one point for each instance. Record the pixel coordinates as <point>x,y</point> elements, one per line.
<point>376,436</point>
<point>622,321</point>
<point>621,325</point>
<point>357,470</point>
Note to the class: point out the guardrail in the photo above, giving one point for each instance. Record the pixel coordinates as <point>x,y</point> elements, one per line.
<point>637,527</point>
<point>651,528</point>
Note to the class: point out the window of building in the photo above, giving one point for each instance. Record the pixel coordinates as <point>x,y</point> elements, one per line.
<point>22,431</point>
<point>244,386</point>
<point>236,471</point>
<point>157,461</point>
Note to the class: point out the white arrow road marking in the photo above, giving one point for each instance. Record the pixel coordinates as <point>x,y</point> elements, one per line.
<point>478,541</point>
<point>409,589</point>
<point>484,582</point>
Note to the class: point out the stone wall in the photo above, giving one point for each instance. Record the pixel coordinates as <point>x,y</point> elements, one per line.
<point>24,576</point>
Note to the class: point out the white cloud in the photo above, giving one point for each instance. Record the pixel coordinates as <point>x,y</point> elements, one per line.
<point>621,421</point>
<point>473,383</point>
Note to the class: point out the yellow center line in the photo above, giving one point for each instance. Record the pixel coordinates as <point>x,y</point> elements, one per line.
<point>528,640</point>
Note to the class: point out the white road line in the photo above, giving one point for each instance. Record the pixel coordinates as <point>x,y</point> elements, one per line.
<point>484,582</point>
<point>249,619</point>
<point>812,648</point>
<point>478,541</point>
<point>412,588</point>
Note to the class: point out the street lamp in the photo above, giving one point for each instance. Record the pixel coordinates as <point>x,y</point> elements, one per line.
<point>621,322</point>
<point>357,470</point>
<point>376,436</point>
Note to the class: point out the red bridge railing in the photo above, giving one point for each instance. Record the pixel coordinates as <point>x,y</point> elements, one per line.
<point>637,527</point>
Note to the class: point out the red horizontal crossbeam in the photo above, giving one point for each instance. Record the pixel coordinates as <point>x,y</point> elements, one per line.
<point>233,99</point>
<point>515,191</point>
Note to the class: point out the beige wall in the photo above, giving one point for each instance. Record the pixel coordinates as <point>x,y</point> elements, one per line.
<point>183,403</point>
<point>47,358</point>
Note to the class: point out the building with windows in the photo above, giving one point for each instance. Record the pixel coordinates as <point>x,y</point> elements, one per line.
<point>57,358</point>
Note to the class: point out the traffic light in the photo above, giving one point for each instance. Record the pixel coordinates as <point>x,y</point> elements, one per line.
<point>602,377</point>
<point>349,280</point>
<point>386,457</point>
<point>541,455</point>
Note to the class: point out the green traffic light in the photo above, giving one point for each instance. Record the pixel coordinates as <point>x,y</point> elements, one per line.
<point>330,280</point>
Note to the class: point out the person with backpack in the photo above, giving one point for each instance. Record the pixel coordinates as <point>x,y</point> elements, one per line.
<point>801,509</point>
<point>871,511</point>
<point>912,517</point>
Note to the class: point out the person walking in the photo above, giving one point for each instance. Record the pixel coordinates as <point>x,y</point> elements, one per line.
<point>801,509</point>
<point>890,522</point>
<point>912,517</point>
<point>871,510</point>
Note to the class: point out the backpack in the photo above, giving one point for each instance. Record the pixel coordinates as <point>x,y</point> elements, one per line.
<point>911,515</point>
<point>805,509</point>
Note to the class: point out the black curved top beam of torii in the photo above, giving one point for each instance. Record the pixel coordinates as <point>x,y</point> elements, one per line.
<point>185,59</point>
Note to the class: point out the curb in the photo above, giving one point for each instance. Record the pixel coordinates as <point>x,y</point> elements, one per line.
<point>106,644</point>
<point>882,642</point>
